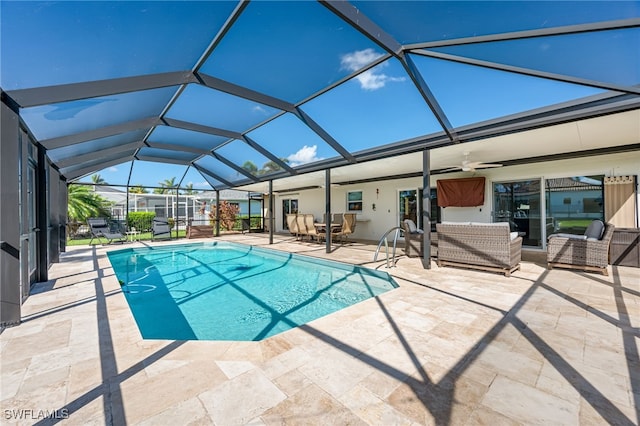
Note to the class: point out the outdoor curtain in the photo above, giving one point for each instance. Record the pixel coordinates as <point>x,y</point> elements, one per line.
<point>620,201</point>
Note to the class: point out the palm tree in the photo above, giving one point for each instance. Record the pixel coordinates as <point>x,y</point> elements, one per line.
<point>97,179</point>
<point>166,186</point>
<point>271,166</point>
<point>83,203</point>
<point>138,189</point>
<point>188,189</point>
<point>250,167</point>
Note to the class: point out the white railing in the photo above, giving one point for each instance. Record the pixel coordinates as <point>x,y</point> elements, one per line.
<point>385,240</point>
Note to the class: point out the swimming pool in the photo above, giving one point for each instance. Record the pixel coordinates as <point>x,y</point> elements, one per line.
<point>228,291</point>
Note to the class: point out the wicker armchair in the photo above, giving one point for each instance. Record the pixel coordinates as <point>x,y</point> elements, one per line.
<point>587,254</point>
<point>413,239</point>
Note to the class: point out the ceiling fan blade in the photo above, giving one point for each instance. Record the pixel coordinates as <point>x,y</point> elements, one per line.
<point>487,165</point>
<point>451,169</point>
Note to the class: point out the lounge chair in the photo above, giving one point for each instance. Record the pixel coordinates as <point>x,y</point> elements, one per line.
<point>99,228</point>
<point>161,228</point>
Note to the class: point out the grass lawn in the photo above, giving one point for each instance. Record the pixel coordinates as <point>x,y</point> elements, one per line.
<point>145,236</point>
<point>574,223</point>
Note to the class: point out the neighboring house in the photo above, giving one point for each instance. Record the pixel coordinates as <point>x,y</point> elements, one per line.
<point>183,207</point>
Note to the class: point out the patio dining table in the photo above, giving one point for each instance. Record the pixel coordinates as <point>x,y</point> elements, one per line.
<point>322,227</point>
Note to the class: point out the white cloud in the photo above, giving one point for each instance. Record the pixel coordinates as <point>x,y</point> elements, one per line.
<point>259,109</point>
<point>113,169</point>
<point>306,154</point>
<point>355,60</point>
<point>372,79</point>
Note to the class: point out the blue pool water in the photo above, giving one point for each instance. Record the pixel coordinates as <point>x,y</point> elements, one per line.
<point>226,291</point>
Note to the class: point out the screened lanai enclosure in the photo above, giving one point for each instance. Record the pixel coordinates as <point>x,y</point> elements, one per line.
<point>261,96</point>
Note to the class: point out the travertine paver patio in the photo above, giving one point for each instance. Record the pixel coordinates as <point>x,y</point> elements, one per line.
<point>449,346</point>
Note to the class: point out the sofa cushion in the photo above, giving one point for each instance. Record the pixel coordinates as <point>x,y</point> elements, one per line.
<point>513,235</point>
<point>595,230</point>
<point>411,226</point>
<point>570,236</point>
<point>490,223</point>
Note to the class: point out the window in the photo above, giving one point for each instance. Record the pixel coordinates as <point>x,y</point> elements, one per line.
<point>573,202</point>
<point>354,201</point>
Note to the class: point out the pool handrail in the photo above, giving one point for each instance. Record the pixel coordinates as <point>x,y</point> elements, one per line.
<point>385,240</point>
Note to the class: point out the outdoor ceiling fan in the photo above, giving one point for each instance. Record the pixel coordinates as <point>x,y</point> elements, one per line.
<point>471,166</point>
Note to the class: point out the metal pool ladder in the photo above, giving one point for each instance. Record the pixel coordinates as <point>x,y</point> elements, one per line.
<point>385,240</point>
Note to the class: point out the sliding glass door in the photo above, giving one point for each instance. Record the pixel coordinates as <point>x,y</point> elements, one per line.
<point>518,202</point>
<point>410,207</point>
<point>289,206</point>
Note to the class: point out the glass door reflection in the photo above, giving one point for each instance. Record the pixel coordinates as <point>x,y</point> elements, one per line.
<point>518,203</point>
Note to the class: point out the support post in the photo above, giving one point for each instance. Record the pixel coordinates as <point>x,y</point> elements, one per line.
<point>53,214</point>
<point>327,208</point>
<point>248,212</point>
<point>271,221</point>
<point>64,218</point>
<point>217,212</point>
<point>426,208</point>
<point>176,214</point>
<point>126,212</point>
<point>42,208</point>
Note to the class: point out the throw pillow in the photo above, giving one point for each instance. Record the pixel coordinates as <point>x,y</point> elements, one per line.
<point>595,230</point>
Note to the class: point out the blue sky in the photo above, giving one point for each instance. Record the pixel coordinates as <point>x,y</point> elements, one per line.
<point>291,50</point>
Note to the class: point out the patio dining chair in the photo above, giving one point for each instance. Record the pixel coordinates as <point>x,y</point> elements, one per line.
<point>292,224</point>
<point>348,226</point>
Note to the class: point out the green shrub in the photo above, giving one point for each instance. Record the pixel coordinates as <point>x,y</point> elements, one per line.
<point>142,221</point>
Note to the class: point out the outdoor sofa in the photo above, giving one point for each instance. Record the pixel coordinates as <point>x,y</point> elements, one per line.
<point>485,246</point>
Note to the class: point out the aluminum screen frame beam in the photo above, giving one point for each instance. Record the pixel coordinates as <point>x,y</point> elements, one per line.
<point>102,132</point>
<point>235,167</point>
<point>187,125</point>
<point>109,152</point>
<point>543,32</point>
<point>177,148</point>
<point>351,15</point>
<point>213,175</point>
<point>80,173</point>
<point>529,72</point>
<point>92,89</point>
